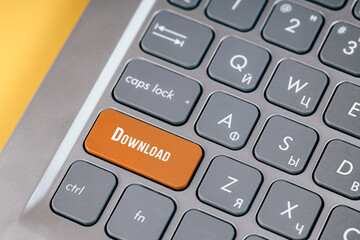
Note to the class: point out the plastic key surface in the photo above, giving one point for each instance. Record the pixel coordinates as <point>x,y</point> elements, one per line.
<point>240,14</point>
<point>144,149</point>
<point>177,39</point>
<point>343,112</point>
<point>83,193</point>
<point>344,224</point>
<point>197,225</point>
<point>341,49</point>
<point>293,27</point>
<point>339,169</point>
<point>140,214</point>
<point>289,210</point>
<point>157,91</point>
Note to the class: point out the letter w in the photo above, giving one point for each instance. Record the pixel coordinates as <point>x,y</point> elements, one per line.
<point>133,142</point>
<point>296,85</point>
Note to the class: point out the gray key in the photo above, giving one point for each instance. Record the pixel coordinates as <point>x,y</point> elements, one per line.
<point>344,223</point>
<point>177,39</point>
<point>197,225</point>
<point>357,10</point>
<point>293,27</point>
<point>239,14</point>
<point>339,169</point>
<point>84,193</point>
<point>230,185</point>
<point>255,237</point>
<point>140,214</point>
<point>224,122</point>
<point>186,4</point>
<point>333,4</point>
<point>286,144</point>
<point>157,91</point>
<point>297,87</point>
<point>341,49</point>
<point>343,112</point>
<point>289,210</point>
<point>239,64</point>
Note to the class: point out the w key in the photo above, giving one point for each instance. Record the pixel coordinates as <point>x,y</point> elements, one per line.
<point>297,87</point>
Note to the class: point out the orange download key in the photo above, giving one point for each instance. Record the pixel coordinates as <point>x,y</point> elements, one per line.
<point>143,149</point>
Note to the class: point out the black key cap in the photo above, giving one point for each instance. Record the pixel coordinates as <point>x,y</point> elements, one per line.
<point>293,27</point>
<point>230,185</point>
<point>224,122</point>
<point>289,210</point>
<point>177,39</point>
<point>84,193</point>
<point>341,49</point>
<point>332,4</point>
<point>186,4</point>
<point>357,10</point>
<point>239,64</point>
<point>343,112</point>
<point>344,224</point>
<point>239,14</point>
<point>140,214</point>
<point>255,237</point>
<point>339,169</point>
<point>157,91</point>
<point>286,144</point>
<point>297,87</point>
<point>197,225</point>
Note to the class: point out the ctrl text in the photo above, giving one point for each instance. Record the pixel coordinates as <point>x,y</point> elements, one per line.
<point>75,189</point>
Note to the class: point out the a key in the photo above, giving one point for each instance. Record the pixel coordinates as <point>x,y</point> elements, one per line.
<point>230,185</point>
<point>293,27</point>
<point>239,14</point>
<point>84,193</point>
<point>157,91</point>
<point>186,4</point>
<point>224,122</point>
<point>341,49</point>
<point>255,237</point>
<point>144,149</point>
<point>289,210</point>
<point>297,87</point>
<point>239,64</point>
<point>343,112</point>
<point>286,144</point>
<point>339,169</point>
<point>140,214</point>
<point>197,225</point>
<point>177,39</point>
<point>332,4</point>
<point>344,224</point>
<point>357,10</point>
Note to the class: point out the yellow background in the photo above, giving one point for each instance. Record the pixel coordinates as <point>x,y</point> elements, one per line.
<point>32,33</point>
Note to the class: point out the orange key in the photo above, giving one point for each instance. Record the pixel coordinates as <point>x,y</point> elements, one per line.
<point>144,149</point>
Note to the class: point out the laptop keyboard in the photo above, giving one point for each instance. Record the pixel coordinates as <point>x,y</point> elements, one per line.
<point>229,184</point>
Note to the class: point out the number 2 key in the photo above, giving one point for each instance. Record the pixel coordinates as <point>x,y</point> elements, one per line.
<point>293,27</point>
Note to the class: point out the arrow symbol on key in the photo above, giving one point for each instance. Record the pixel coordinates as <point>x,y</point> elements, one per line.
<point>175,41</point>
<point>162,28</point>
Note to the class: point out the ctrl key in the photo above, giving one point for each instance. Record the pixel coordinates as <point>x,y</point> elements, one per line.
<point>83,193</point>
